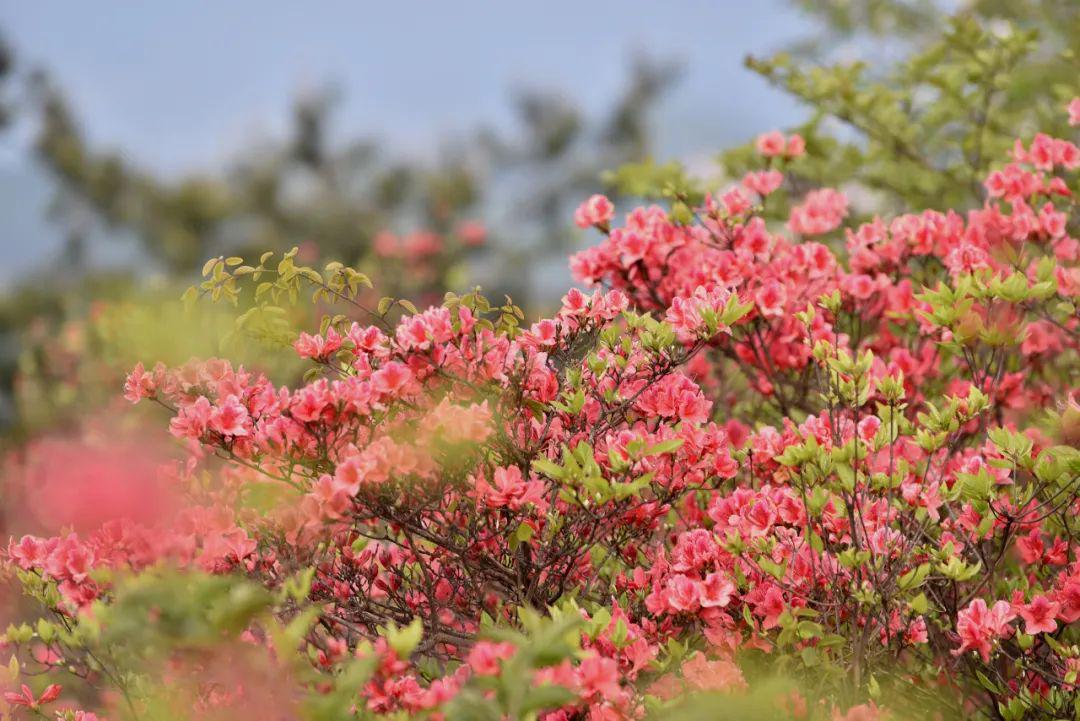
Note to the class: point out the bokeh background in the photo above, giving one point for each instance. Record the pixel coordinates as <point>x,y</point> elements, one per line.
<point>191,89</point>
<point>434,146</point>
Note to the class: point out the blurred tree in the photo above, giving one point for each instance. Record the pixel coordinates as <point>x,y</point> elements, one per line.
<point>536,178</point>
<point>301,191</point>
<point>337,198</point>
<point>408,223</point>
<point>569,155</point>
<point>916,20</point>
<point>7,63</point>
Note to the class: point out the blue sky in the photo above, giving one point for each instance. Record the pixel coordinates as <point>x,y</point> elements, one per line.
<point>181,86</point>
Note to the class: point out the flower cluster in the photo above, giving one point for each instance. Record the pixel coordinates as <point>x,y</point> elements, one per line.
<point>822,448</point>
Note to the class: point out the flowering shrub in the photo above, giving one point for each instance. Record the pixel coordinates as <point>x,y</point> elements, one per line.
<point>842,455</point>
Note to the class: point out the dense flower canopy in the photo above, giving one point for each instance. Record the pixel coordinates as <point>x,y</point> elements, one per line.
<point>842,454</point>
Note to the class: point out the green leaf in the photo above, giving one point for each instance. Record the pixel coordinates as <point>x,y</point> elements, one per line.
<point>405,640</point>
<point>667,446</point>
<point>546,697</point>
<point>522,534</point>
<point>548,468</point>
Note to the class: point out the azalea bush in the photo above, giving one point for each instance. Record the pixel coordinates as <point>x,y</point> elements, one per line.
<point>808,468</point>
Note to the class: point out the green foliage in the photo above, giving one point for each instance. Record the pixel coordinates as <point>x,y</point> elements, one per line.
<point>924,131</point>
<point>156,613</point>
